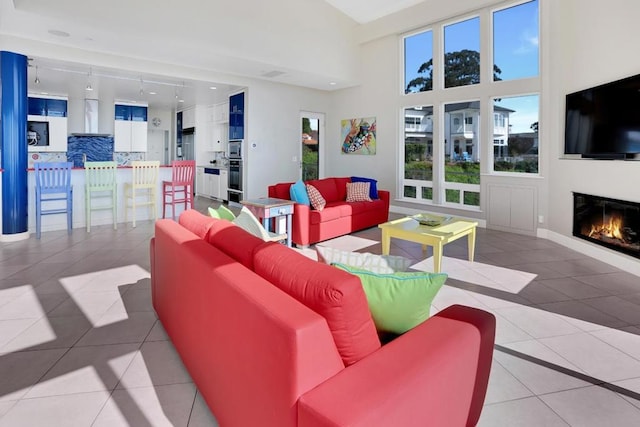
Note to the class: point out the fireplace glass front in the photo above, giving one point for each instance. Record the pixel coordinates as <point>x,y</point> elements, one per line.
<point>607,222</point>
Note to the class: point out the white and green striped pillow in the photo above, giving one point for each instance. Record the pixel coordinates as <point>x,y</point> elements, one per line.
<point>381,264</point>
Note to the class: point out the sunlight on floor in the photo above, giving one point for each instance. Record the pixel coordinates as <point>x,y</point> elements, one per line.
<point>477,273</point>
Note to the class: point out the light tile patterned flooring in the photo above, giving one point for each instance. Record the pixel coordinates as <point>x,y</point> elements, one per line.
<point>80,344</point>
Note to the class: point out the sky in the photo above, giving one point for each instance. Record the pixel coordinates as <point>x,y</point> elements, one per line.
<point>515,47</point>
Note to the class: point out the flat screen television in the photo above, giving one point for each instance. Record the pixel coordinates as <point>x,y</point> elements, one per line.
<point>37,133</point>
<point>603,122</point>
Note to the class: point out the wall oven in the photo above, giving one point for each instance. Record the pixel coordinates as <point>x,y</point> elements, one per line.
<point>234,186</point>
<point>235,149</point>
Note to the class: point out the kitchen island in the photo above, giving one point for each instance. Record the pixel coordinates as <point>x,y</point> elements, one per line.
<point>99,217</point>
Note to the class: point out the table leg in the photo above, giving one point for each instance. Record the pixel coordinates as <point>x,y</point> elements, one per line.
<point>386,242</point>
<point>472,243</point>
<point>289,221</point>
<point>437,257</point>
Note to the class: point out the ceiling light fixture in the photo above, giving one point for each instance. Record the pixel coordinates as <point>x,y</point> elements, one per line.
<point>213,87</point>
<point>37,80</point>
<point>89,87</point>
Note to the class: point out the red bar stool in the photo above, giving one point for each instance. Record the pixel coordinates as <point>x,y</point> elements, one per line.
<point>180,188</point>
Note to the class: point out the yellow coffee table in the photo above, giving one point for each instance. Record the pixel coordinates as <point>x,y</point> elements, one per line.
<point>441,232</point>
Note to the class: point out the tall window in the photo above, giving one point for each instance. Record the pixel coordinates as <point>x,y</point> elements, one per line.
<point>443,166</point>
<point>418,62</point>
<point>517,147</point>
<point>462,53</point>
<point>418,153</point>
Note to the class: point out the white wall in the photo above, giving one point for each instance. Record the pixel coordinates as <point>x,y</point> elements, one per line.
<point>595,44</point>
<point>274,126</point>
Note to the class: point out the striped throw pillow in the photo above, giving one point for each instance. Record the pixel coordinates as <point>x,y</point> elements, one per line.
<point>358,192</point>
<point>317,201</point>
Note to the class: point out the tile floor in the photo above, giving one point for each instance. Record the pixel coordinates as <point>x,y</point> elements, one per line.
<point>80,344</point>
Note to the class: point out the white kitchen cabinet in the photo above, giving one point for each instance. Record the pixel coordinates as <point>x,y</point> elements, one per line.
<point>199,180</point>
<point>130,136</point>
<point>221,113</point>
<point>57,134</point>
<point>189,118</point>
<point>217,137</point>
<point>215,186</point>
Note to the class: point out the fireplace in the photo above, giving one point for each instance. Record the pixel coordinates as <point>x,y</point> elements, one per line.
<point>612,223</point>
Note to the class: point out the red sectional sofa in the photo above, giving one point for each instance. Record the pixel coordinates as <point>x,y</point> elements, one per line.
<point>338,218</point>
<point>233,307</point>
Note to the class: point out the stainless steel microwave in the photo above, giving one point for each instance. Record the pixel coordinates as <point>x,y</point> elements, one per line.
<point>235,149</point>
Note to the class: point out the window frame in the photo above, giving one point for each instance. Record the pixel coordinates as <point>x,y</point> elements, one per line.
<point>485,91</point>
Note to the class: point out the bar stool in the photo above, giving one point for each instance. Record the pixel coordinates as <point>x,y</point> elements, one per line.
<point>144,184</point>
<point>100,179</point>
<point>53,183</point>
<point>180,188</point>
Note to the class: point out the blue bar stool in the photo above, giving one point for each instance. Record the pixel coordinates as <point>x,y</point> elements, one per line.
<point>53,184</point>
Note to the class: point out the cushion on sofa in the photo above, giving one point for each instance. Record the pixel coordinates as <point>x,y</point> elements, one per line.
<point>327,188</point>
<point>358,192</point>
<point>298,193</point>
<point>341,187</point>
<point>317,201</point>
<point>366,261</point>
<point>333,294</point>
<point>398,301</point>
<point>373,185</point>
<point>234,241</point>
<point>195,222</point>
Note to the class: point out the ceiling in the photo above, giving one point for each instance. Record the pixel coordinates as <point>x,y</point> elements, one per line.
<point>200,36</point>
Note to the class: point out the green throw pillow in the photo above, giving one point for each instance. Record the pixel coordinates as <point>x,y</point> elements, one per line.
<point>221,213</point>
<point>398,301</point>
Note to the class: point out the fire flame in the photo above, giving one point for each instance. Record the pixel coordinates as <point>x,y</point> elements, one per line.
<point>610,229</point>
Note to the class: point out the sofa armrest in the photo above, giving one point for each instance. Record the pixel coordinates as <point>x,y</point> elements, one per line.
<point>385,196</point>
<point>435,374</point>
<point>300,224</point>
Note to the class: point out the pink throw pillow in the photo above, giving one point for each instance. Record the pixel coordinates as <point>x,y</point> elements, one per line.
<point>317,201</point>
<point>358,192</point>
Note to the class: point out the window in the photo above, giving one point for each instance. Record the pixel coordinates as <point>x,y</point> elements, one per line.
<point>515,41</point>
<point>462,53</point>
<point>418,62</point>
<point>445,142</point>
<point>418,152</point>
<point>517,147</point>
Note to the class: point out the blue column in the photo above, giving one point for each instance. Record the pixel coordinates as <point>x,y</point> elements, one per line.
<point>13,142</point>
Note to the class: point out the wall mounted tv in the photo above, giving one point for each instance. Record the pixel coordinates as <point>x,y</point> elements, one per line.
<point>603,122</point>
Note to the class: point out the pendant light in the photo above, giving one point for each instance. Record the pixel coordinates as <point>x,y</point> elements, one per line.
<point>37,80</point>
<point>89,87</point>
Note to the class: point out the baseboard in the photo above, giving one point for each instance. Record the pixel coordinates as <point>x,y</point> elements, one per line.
<point>621,261</point>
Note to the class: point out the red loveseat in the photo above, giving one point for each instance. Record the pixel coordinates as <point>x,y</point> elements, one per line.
<point>338,218</point>
<point>231,305</point>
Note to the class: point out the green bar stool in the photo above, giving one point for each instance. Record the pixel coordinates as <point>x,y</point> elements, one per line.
<point>100,183</point>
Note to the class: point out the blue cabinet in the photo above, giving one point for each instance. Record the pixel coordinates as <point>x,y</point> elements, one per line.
<point>236,116</point>
<point>131,113</point>
<point>47,107</point>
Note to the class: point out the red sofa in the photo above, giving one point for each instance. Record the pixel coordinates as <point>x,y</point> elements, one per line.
<point>338,218</point>
<point>261,357</point>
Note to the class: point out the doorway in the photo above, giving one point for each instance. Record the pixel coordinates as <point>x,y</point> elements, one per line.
<point>311,145</point>
<point>158,146</point>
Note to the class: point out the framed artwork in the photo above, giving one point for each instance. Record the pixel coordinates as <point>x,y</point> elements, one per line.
<point>358,136</point>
